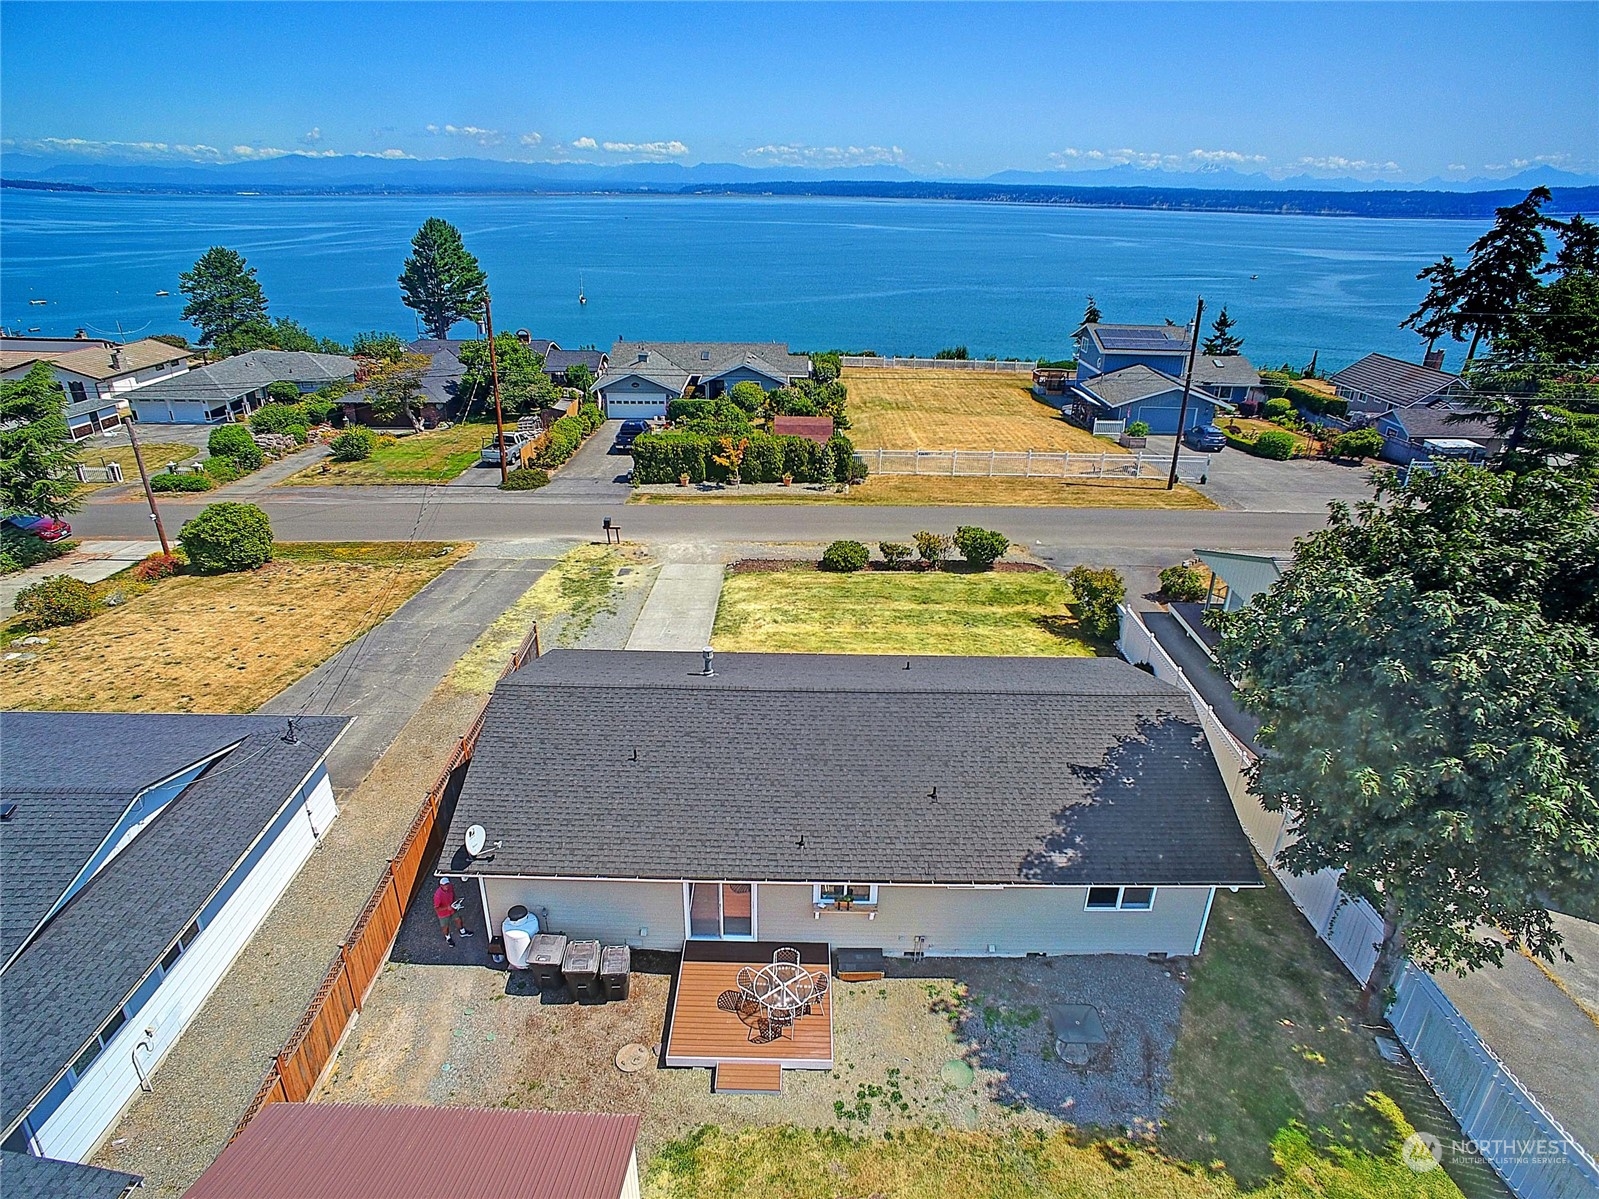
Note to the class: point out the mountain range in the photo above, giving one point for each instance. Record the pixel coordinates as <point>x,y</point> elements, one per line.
<point>341,172</point>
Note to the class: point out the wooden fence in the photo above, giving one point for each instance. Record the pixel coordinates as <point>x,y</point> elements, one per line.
<point>1008,366</point>
<point>293,1075</point>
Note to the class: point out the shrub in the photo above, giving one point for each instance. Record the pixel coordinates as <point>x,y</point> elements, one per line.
<point>1275,408</point>
<point>1276,444</point>
<point>283,392</point>
<point>169,480</point>
<point>662,457</point>
<point>591,416</point>
<point>933,548</point>
<point>895,553</point>
<point>277,418</point>
<point>684,410</point>
<point>227,537</point>
<point>226,441</point>
<point>1357,443</point>
<point>1096,591</point>
<point>355,444</point>
<point>748,395</point>
<point>157,566</point>
<point>222,470</point>
<point>19,550</point>
<point>529,478</point>
<point>55,601</point>
<point>1139,428</point>
<point>299,432</point>
<point>981,547</point>
<point>1184,583</point>
<point>317,409</point>
<point>846,557</point>
<point>566,435</point>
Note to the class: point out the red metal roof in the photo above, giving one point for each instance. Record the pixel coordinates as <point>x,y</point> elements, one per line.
<point>818,428</point>
<point>352,1151</point>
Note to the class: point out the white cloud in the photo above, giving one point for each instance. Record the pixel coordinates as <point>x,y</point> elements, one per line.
<point>171,151</point>
<point>1457,166</point>
<point>1544,160</point>
<point>312,136</point>
<point>585,143</point>
<point>1230,157</point>
<point>1154,160</point>
<point>263,152</point>
<point>531,139</point>
<point>790,155</point>
<point>476,133</point>
<point>389,153</point>
<point>671,149</point>
<point>1336,162</point>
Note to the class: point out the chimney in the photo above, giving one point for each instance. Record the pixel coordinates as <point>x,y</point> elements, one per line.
<point>1434,361</point>
<point>80,335</point>
<point>116,358</point>
<point>643,356</point>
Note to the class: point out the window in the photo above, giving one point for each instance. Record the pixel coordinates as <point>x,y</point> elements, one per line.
<point>845,895</point>
<point>1120,899</point>
<point>79,392</point>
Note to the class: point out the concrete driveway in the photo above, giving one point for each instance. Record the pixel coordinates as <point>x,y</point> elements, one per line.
<point>1245,483</point>
<point>593,474</point>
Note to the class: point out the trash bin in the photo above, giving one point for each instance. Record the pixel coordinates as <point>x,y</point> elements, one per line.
<point>544,960</point>
<point>616,964</point>
<point>581,966</point>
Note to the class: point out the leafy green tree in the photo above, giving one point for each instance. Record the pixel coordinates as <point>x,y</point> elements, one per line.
<point>1091,313</point>
<point>224,296</point>
<point>579,376</point>
<point>176,340</point>
<point>524,387</point>
<point>827,365</point>
<point>1096,593</point>
<point>394,389</point>
<point>748,395</point>
<point>279,334</point>
<point>1222,343</point>
<point>390,347</point>
<point>37,452</point>
<point>1427,674</point>
<point>1579,247</point>
<point>442,281</point>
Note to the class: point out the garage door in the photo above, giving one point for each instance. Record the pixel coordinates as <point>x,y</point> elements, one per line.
<point>634,407</point>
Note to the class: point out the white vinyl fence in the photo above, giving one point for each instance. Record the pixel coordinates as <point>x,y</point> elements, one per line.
<point>1008,366</point>
<point>1033,464</point>
<point>105,472</point>
<point>1508,1127</point>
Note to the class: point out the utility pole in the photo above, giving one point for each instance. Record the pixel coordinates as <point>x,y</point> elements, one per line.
<point>129,420</point>
<point>494,376</point>
<point>1188,382</point>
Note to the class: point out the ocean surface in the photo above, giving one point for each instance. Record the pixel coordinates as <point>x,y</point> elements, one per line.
<point>905,277</point>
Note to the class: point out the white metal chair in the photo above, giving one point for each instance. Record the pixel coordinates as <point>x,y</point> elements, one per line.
<point>787,954</point>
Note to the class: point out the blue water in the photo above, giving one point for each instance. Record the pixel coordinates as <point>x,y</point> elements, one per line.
<point>896,276</point>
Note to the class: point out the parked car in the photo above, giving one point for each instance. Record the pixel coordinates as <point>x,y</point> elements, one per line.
<point>625,435</point>
<point>45,528</point>
<point>514,441</point>
<point>1208,438</point>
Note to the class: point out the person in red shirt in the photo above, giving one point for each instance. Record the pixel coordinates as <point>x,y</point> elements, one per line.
<point>445,907</point>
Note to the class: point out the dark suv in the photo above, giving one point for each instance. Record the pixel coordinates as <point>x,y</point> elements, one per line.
<point>625,435</point>
<point>1208,438</point>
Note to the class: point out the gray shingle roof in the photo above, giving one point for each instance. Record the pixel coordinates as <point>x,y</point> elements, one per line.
<point>1136,382</point>
<point>1423,422</point>
<point>93,953</point>
<point>23,1176</point>
<point>233,377</point>
<point>673,363</point>
<point>557,361</point>
<point>1232,371</point>
<point>1046,770</point>
<point>1398,383</point>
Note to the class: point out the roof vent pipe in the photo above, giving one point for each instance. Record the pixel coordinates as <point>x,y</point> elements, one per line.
<point>706,655</point>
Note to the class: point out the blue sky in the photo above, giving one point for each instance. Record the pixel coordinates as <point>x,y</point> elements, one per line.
<point>1398,91</point>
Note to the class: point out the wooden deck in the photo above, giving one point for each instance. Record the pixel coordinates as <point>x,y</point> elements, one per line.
<point>748,1078</point>
<point>701,1034</point>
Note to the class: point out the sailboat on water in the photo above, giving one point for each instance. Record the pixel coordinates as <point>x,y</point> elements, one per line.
<point>582,297</point>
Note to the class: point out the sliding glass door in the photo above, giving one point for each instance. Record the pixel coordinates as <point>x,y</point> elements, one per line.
<point>721,911</point>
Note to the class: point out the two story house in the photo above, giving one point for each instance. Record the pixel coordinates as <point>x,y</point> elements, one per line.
<point>1135,373</point>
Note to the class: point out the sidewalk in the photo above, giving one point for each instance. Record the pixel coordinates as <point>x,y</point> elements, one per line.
<point>91,562</point>
<point>681,608</point>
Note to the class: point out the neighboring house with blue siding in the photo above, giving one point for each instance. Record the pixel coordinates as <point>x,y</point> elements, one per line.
<point>1141,393</point>
<point>1377,383</point>
<point>1104,349</point>
<point>138,855</point>
<point>642,377</point>
<point>1427,432</point>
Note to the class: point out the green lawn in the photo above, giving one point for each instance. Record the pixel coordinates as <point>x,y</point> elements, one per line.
<point>436,456</point>
<point>158,455</point>
<point>900,612</point>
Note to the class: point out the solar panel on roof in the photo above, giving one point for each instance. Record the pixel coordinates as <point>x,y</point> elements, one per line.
<point>1139,341</point>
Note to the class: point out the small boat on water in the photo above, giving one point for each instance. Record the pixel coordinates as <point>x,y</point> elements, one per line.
<point>33,328</point>
<point>163,293</point>
<point>38,301</point>
<point>1254,276</point>
<point>581,297</point>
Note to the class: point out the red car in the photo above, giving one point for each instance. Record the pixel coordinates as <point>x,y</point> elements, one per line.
<point>45,528</point>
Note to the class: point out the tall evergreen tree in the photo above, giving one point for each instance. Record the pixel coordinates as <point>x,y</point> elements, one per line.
<point>1579,247</point>
<point>1438,314</point>
<point>37,452</point>
<point>223,294</point>
<point>1221,343</point>
<point>1091,314</point>
<point>442,281</point>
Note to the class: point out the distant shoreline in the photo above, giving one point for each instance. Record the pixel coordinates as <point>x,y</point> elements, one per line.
<point>1384,205</point>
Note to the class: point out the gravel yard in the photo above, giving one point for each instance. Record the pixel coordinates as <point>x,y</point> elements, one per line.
<point>945,1043</point>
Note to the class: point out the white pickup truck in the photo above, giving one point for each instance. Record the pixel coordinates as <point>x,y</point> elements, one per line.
<point>515,439</point>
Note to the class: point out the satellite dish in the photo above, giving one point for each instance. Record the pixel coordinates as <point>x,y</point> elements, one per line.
<point>475,837</point>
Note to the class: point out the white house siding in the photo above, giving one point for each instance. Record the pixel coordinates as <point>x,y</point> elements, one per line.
<point>630,1188</point>
<point>985,922</point>
<point>612,912</point>
<point>89,1113</point>
<point>167,412</point>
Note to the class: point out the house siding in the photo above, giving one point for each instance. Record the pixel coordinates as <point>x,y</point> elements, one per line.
<point>966,921</point>
<point>1161,411</point>
<point>624,401</point>
<point>602,910</point>
<point>741,374</point>
<point>955,921</point>
<point>90,1112</point>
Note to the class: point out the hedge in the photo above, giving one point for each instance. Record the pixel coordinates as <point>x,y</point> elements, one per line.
<point>1319,402</point>
<point>172,481</point>
<point>663,457</point>
<point>529,478</point>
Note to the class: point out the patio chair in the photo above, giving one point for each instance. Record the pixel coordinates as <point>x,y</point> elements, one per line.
<point>818,988</point>
<point>746,980</point>
<point>731,1001</point>
<point>786,954</point>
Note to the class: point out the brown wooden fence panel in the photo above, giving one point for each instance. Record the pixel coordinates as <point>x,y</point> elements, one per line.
<point>310,1047</point>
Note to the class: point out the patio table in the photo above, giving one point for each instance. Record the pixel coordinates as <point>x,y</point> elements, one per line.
<point>1076,1028</point>
<point>783,988</point>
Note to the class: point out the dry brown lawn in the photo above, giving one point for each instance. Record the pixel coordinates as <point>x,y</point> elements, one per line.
<point>158,455</point>
<point>926,490</point>
<point>956,410</point>
<point>221,643</point>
